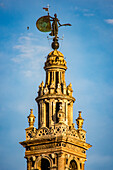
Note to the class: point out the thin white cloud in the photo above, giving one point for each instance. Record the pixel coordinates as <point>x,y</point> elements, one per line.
<point>84,11</point>
<point>76,8</point>
<point>27,48</point>
<point>88,14</point>
<point>1,4</point>
<point>27,73</point>
<point>109,21</point>
<point>29,55</point>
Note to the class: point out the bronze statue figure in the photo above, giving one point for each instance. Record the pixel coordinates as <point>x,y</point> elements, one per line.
<point>44,25</point>
<point>55,26</point>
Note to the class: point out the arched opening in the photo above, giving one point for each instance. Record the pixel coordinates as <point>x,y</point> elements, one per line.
<point>56,79</point>
<point>57,109</point>
<point>45,165</point>
<point>50,77</point>
<point>47,115</point>
<point>73,165</point>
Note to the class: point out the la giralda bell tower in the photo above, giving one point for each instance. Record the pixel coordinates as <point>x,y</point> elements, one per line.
<point>56,144</point>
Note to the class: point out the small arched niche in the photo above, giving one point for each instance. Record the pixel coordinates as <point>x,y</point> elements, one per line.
<point>73,165</point>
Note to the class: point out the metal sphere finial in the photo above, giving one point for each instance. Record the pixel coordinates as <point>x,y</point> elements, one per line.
<point>55,43</point>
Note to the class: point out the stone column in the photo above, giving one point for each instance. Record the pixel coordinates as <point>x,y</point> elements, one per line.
<point>40,103</point>
<point>54,117</point>
<point>66,113</point>
<point>59,77</point>
<point>61,161</point>
<point>70,114</point>
<point>43,115</point>
<point>71,105</point>
<point>48,77</point>
<point>54,74</point>
<point>38,115</point>
<point>50,113</point>
<point>64,88</point>
<point>83,165</point>
<point>29,164</point>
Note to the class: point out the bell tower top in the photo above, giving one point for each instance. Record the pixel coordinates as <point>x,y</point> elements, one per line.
<point>56,143</point>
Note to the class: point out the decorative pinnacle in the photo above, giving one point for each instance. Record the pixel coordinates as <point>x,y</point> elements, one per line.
<point>31,118</point>
<point>79,120</point>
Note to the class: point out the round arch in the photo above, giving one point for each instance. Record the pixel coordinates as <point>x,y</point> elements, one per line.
<point>46,161</point>
<point>72,160</point>
<point>73,165</point>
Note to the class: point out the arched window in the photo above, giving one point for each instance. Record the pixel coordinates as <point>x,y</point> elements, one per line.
<point>56,78</point>
<point>57,109</point>
<point>73,165</point>
<point>50,77</point>
<point>47,115</point>
<point>45,165</point>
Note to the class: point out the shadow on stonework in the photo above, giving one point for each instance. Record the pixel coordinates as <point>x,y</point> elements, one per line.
<point>73,165</point>
<point>45,164</point>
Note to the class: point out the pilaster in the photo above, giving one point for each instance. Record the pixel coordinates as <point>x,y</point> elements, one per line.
<point>50,113</point>
<point>43,115</point>
<point>40,103</point>
<point>48,77</point>
<point>60,161</point>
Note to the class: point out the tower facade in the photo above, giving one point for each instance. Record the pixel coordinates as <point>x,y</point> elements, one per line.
<point>56,144</point>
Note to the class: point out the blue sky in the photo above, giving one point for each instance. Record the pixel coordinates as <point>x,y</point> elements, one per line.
<point>88,48</point>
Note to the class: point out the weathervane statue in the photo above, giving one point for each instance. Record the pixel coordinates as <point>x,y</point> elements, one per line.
<point>44,25</point>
